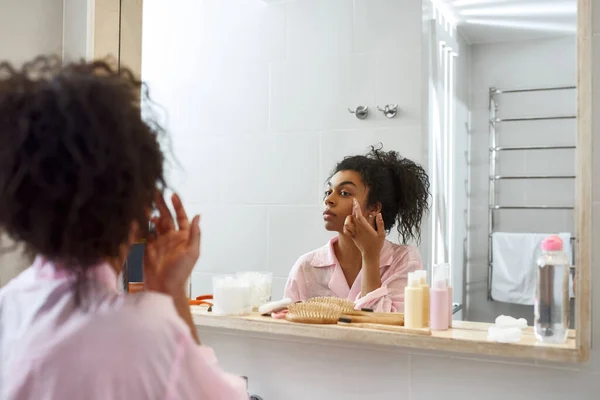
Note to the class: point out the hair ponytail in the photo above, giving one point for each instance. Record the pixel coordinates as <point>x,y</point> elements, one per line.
<point>411,189</point>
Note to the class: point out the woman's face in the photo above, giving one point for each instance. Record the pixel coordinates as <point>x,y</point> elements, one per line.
<point>342,189</point>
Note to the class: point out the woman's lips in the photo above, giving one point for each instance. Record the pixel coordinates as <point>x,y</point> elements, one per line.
<point>328,215</point>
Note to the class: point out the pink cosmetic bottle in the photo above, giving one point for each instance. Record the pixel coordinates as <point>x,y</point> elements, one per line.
<point>448,273</point>
<point>439,299</point>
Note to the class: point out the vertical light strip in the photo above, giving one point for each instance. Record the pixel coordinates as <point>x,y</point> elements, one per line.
<point>452,60</point>
<point>442,136</point>
<point>446,155</point>
<point>437,99</point>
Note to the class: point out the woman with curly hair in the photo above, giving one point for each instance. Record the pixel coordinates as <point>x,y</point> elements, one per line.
<point>365,197</point>
<point>80,173</point>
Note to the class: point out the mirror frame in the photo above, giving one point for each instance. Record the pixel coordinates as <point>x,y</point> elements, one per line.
<point>106,20</point>
<point>584,181</point>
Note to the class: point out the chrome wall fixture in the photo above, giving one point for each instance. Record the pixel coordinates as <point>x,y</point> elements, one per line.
<point>361,112</point>
<point>390,110</point>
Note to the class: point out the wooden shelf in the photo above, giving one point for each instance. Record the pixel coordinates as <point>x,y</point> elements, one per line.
<point>464,337</point>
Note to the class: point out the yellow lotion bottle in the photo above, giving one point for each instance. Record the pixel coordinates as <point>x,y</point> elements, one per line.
<point>413,302</point>
<point>422,274</point>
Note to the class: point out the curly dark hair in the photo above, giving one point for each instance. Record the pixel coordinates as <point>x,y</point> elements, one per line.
<point>78,164</point>
<point>399,184</point>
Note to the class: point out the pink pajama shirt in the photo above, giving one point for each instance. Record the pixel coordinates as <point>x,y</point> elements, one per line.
<point>319,273</point>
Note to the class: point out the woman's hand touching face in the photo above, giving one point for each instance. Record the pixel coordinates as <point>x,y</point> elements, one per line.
<point>368,240</point>
<point>171,255</point>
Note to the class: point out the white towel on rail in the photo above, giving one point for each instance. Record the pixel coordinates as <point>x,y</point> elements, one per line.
<point>514,264</point>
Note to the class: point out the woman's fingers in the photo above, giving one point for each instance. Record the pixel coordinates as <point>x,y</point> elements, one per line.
<point>182,219</point>
<point>356,211</point>
<point>151,259</point>
<point>195,236</point>
<point>166,219</point>
<point>359,218</point>
<point>380,225</point>
<point>349,226</point>
<point>156,228</point>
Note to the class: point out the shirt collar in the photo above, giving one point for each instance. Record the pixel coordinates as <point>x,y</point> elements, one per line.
<point>325,256</point>
<point>102,273</point>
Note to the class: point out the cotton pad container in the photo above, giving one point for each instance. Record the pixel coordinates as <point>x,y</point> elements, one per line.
<point>260,283</point>
<point>231,295</point>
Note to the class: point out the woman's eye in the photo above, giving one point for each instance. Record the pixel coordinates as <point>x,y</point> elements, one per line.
<point>327,193</point>
<point>345,194</point>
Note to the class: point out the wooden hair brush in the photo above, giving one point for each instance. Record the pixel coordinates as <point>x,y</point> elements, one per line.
<point>365,315</point>
<point>313,313</point>
<point>319,313</point>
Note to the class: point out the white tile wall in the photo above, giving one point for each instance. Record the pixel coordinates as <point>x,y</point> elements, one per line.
<point>319,29</point>
<point>293,230</point>
<point>234,238</point>
<point>255,31</point>
<point>314,93</point>
<point>525,64</point>
<point>256,95</point>
<point>376,27</point>
<point>290,370</point>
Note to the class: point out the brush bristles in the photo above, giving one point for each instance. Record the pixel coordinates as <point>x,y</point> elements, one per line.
<point>345,306</point>
<point>313,313</point>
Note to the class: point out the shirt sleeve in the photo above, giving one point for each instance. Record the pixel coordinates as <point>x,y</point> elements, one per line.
<point>292,286</point>
<point>197,375</point>
<point>389,297</point>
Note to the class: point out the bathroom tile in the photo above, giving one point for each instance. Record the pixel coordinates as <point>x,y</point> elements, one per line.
<point>191,169</point>
<point>532,221</point>
<point>479,97</point>
<point>510,163</point>
<point>255,31</point>
<point>560,192</point>
<point>549,162</point>
<point>380,25</point>
<point>312,362</point>
<point>216,97</point>
<point>274,169</point>
<point>502,65</point>
<point>480,139</point>
<point>479,185</point>
<point>527,104</point>
<point>201,283</point>
<point>234,238</point>
<point>461,357</point>
<point>318,29</point>
<point>293,231</point>
<point>396,85</point>
<point>315,94</point>
<point>479,122</point>
<point>278,288</point>
<point>510,192</point>
<point>550,133</point>
<point>433,375</point>
<point>234,97</point>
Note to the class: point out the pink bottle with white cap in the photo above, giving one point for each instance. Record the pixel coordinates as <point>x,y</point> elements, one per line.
<point>438,299</point>
<point>551,322</point>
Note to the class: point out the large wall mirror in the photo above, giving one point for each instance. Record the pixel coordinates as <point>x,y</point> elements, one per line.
<point>263,99</point>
